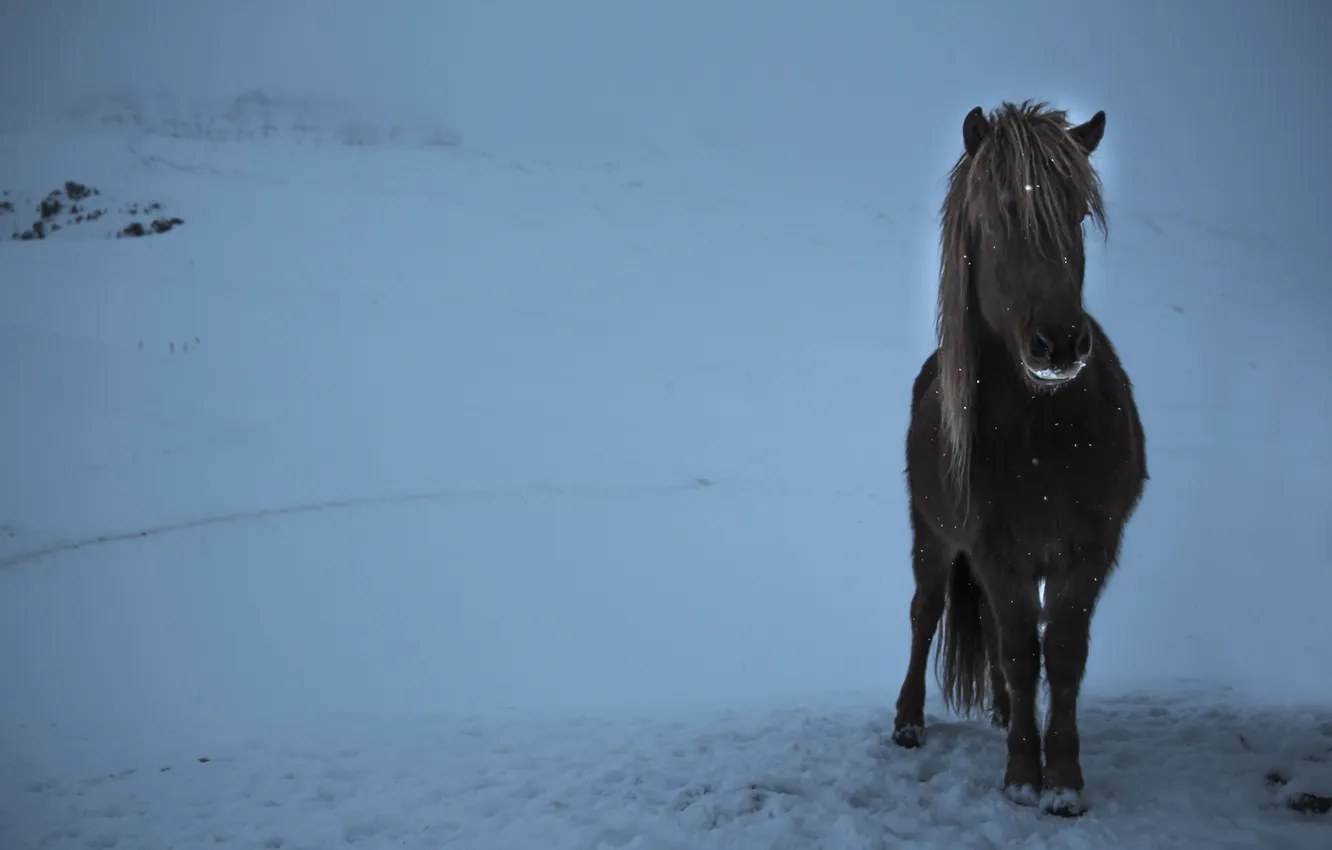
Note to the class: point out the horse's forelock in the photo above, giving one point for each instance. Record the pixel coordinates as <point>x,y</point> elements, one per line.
<point>1030,161</point>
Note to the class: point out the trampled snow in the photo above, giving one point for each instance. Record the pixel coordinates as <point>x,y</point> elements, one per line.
<point>441,483</point>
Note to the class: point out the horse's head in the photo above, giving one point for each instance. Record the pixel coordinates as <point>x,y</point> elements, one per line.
<point>1025,185</point>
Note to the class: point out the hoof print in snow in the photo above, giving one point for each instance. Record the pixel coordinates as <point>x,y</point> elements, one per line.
<point>72,205</point>
<point>711,806</point>
<point>690,796</point>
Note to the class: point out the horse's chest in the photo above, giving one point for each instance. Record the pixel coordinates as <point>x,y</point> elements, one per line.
<point>1038,493</point>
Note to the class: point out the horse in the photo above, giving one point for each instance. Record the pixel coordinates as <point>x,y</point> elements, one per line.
<point>1025,453</point>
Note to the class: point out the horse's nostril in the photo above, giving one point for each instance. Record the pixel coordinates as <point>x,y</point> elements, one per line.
<point>1083,346</point>
<point>1041,347</point>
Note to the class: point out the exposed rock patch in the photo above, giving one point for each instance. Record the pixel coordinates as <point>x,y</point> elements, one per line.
<point>76,205</point>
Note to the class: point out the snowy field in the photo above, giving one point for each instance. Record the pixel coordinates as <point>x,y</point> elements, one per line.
<point>447,484</point>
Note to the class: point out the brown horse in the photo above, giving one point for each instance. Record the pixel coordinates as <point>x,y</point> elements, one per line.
<point>1025,454</point>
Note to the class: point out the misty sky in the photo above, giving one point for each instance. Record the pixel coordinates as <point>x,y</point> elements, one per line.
<point>833,83</point>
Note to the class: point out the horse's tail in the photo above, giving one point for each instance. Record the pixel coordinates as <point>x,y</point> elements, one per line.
<point>965,681</point>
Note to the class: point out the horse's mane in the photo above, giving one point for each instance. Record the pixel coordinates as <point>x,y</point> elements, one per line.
<point>1027,146</point>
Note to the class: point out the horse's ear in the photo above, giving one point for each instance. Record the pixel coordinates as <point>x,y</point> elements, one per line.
<point>1089,135</point>
<point>974,130</point>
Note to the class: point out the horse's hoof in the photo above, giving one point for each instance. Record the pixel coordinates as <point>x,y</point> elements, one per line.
<point>909,736</point>
<point>1023,795</point>
<point>1061,802</point>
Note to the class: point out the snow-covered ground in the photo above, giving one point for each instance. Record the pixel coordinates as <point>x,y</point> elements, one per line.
<point>447,484</point>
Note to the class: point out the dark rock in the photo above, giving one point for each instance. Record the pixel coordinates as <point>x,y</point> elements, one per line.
<point>67,207</point>
<point>1310,804</point>
<point>1304,802</point>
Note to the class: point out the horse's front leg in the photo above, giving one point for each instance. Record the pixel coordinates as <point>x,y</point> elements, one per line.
<point>1014,601</point>
<point>1071,593</point>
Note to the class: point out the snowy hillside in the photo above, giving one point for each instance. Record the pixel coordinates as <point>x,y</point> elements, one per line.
<point>514,459</point>
<point>254,115</point>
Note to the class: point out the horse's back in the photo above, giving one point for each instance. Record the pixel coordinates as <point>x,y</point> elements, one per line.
<point>929,371</point>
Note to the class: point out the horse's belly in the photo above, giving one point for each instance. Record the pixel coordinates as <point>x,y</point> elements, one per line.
<point>931,496</point>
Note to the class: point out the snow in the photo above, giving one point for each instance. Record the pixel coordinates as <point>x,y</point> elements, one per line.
<point>810,774</point>
<point>513,459</point>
